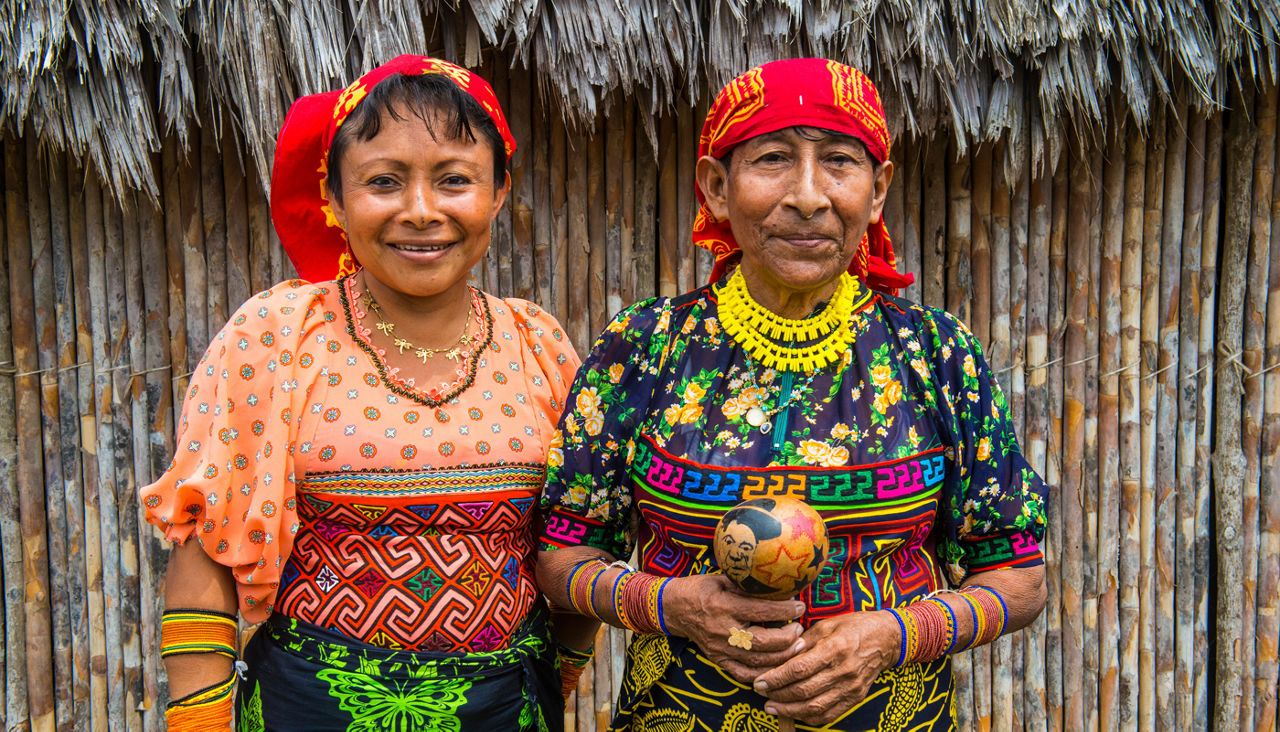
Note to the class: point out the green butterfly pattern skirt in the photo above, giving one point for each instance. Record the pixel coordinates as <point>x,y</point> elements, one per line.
<point>304,677</point>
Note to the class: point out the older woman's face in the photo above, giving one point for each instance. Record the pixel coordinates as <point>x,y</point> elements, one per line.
<point>418,210</point>
<point>797,206</point>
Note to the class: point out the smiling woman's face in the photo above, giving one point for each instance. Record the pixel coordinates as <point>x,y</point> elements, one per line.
<point>417,210</point>
<point>798,204</point>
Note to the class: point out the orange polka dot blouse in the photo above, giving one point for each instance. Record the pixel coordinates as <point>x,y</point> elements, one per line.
<point>337,495</point>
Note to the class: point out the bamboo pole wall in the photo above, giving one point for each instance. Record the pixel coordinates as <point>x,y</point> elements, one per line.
<point>1127,295</point>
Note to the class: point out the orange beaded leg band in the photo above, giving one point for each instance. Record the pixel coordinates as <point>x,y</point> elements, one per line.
<point>572,663</point>
<point>197,631</point>
<point>207,709</point>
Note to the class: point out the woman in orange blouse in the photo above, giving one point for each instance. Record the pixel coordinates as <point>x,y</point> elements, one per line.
<point>359,457</point>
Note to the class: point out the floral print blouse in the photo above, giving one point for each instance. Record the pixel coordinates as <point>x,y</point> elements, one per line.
<point>906,448</point>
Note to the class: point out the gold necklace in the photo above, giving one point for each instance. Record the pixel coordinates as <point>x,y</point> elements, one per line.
<point>772,339</point>
<point>388,329</point>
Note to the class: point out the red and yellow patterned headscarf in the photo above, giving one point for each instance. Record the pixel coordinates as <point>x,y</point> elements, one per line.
<point>300,207</point>
<point>810,92</point>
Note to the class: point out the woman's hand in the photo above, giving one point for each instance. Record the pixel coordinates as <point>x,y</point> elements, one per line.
<point>841,658</point>
<point>706,608</point>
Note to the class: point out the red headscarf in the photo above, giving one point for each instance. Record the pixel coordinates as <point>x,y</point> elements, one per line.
<point>299,206</point>
<point>809,92</point>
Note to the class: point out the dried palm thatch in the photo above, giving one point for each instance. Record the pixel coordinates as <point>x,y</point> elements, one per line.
<point>106,80</point>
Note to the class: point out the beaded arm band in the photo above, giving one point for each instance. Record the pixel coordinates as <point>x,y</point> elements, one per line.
<point>197,631</point>
<point>207,709</point>
<point>637,596</point>
<point>929,627</point>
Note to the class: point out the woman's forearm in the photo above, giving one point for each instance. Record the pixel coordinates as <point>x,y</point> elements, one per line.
<point>193,581</point>
<point>1022,589</point>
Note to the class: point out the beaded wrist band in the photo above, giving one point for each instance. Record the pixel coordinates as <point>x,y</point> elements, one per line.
<point>928,631</point>
<point>977,621</point>
<point>995,614</point>
<point>207,709</point>
<point>635,599</point>
<point>582,585</point>
<point>197,631</point>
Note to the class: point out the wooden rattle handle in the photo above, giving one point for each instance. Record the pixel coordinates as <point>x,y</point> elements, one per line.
<point>786,724</point>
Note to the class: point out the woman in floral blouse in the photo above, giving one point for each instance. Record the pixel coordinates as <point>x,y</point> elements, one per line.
<point>795,372</point>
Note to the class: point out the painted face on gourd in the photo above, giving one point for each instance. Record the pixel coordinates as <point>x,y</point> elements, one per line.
<point>771,547</point>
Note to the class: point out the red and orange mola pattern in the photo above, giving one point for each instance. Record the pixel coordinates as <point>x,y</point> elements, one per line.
<point>738,101</point>
<point>855,94</point>
<point>433,560</point>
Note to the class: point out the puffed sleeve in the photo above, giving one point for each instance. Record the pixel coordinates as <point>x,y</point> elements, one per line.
<point>587,498</point>
<point>231,481</point>
<point>993,506</point>
<point>554,360</point>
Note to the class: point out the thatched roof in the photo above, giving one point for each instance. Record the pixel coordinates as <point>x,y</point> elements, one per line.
<point>107,79</point>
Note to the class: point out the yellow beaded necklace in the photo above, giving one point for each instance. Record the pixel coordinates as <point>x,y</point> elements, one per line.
<point>771,339</point>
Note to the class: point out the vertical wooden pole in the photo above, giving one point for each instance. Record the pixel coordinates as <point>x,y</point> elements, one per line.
<point>54,529</point>
<point>1130,565</point>
<point>1026,668</point>
<point>597,244</point>
<point>603,668</point>
<point>1188,345</point>
<point>686,203</point>
<point>520,100</point>
<point>13,539</point>
<point>560,221</point>
<point>959,237</point>
<point>103,650</point>
<point>541,202</point>
<point>613,131</point>
<point>1110,365</point>
<point>1268,628</point>
<point>908,248</point>
<point>124,536</point>
<point>195,279</point>
<point>1057,555</point>
<point>1204,386</point>
<point>1167,412</point>
<point>933,240</point>
<point>503,231</point>
<point>646,241</point>
<point>31,478</point>
<point>79,400</point>
<point>1255,336</point>
<point>261,273</point>
<point>579,269</point>
<point>1152,220</point>
<point>1039,203</point>
<point>213,230</point>
<point>668,208</point>
<point>235,217</point>
<point>1073,444</point>
<point>153,423</point>
<point>63,497</point>
<point>627,263</point>
<point>980,254</point>
<point>1228,456</point>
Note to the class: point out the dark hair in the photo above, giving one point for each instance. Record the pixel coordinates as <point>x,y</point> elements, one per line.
<point>422,95</point>
<point>812,134</point>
